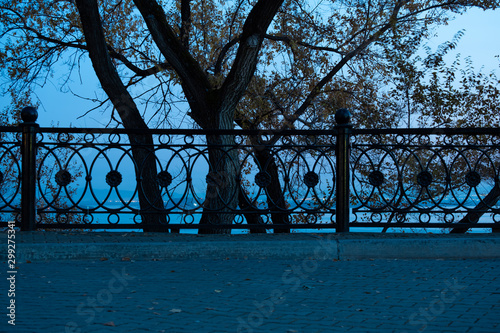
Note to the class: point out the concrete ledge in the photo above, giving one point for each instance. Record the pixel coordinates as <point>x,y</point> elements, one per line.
<point>50,246</point>
<point>420,248</point>
<point>174,250</point>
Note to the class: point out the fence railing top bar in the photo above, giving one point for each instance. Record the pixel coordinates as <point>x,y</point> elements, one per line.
<point>355,131</point>
<point>186,131</point>
<point>426,131</point>
<point>333,131</point>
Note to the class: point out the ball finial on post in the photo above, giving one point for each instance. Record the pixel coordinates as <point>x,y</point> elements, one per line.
<point>29,114</point>
<point>342,116</point>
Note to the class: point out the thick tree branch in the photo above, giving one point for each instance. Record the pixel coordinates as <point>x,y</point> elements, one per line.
<point>222,55</point>
<point>148,191</point>
<point>194,80</point>
<point>482,207</point>
<point>103,66</point>
<point>245,63</point>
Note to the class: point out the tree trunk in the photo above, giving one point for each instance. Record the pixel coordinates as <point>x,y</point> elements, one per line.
<point>221,198</point>
<point>149,191</point>
<point>475,214</point>
<point>275,197</point>
<point>150,199</point>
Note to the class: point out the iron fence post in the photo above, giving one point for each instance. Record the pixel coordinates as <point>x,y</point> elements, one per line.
<point>29,116</point>
<point>343,117</point>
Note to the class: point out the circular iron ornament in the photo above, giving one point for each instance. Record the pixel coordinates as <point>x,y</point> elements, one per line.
<point>376,218</point>
<point>88,138</point>
<point>238,219</point>
<point>113,218</point>
<point>189,139</point>
<point>449,218</point>
<point>376,178</point>
<point>63,137</point>
<point>263,179</point>
<point>63,178</point>
<point>311,179</point>
<point>400,139</point>
<point>424,218</point>
<point>472,179</point>
<point>424,140</point>
<point>311,140</point>
<point>137,219</point>
<point>424,178</point>
<point>164,139</point>
<point>312,218</point>
<point>88,218</point>
<point>113,178</point>
<point>189,219</point>
<point>62,218</point>
<point>400,217</point>
<point>472,140</point>
<point>114,138</point>
<point>287,141</point>
<point>239,140</point>
<point>164,178</point>
<point>1,177</point>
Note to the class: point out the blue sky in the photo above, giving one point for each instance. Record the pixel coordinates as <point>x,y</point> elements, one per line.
<point>61,109</point>
<point>481,40</point>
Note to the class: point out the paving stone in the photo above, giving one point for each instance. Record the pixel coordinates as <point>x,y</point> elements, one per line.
<point>256,295</point>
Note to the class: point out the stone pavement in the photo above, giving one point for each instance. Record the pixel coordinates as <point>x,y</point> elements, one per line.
<point>294,283</point>
<point>258,295</point>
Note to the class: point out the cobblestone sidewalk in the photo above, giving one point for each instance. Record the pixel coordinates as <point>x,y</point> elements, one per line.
<point>256,295</point>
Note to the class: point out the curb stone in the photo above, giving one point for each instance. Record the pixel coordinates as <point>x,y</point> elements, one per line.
<point>42,246</point>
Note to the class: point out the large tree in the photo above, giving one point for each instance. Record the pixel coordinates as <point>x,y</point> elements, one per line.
<point>255,64</point>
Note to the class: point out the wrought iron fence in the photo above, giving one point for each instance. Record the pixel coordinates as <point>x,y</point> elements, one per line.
<point>285,180</point>
<point>426,177</point>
